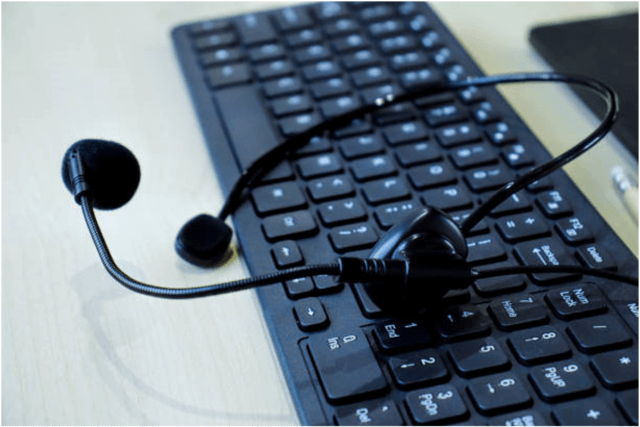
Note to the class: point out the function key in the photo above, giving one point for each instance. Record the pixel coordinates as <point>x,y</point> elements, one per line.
<point>370,413</point>
<point>401,335</point>
<point>561,381</point>
<point>576,301</point>
<point>539,345</point>
<point>436,405</point>
<point>498,393</point>
<point>292,18</point>
<point>346,365</point>
<point>255,29</point>
<point>517,156</point>
<point>573,231</point>
<point>418,368</point>
<point>617,369</point>
<point>484,113</point>
<point>595,334</point>
<point>553,204</point>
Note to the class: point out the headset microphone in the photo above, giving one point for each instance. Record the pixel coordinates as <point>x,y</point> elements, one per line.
<point>408,270</point>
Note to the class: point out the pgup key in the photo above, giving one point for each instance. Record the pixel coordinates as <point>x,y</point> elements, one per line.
<point>346,366</point>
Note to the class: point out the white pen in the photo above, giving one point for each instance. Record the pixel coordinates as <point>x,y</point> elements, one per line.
<point>626,189</point>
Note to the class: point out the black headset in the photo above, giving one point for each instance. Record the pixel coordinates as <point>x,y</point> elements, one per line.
<point>409,269</point>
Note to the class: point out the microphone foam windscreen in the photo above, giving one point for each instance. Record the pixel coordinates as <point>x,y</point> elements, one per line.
<point>111,170</point>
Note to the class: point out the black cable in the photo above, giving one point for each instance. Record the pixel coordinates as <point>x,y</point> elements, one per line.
<point>196,292</point>
<point>267,161</point>
<point>570,269</point>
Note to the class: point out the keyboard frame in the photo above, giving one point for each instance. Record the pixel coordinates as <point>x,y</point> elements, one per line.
<point>289,341</point>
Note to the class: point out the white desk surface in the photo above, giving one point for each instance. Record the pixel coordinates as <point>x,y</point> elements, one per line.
<point>79,349</point>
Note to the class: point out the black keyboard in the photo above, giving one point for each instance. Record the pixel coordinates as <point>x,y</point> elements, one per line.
<point>517,350</point>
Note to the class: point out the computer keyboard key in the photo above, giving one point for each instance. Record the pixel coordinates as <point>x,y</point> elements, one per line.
<point>478,357</point>
<point>595,334</point>
<point>453,135</point>
<point>255,29</point>
<point>385,190</point>
<point>487,178</point>
<point>287,254</point>
<point>353,237</point>
<point>432,175</point>
<point>473,155</point>
<point>420,78</point>
<point>360,146</point>
<point>303,37</point>
<point>310,314</point>
<point>539,345</point>
<point>406,132</point>
<point>418,368</point>
<point>436,405</point>
<point>594,256</point>
<point>228,75</point>
<point>543,252</point>
<point>379,412</point>
<point>215,41</point>
<point>520,227</point>
<point>289,225</point>
<point>485,249</point>
<point>586,412</point>
<point>518,312</point>
<point>574,231</point>
<point>389,215</point>
<point>561,381</point>
<point>320,165</point>
<point>300,287</point>
<point>282,86</point>
<point>522,418</point>
<point>346,365</point>
<point>401,335</point>
<point>462,322</point>
<point>501,133</point>
<point>329,188</point>
<point>627,401</point>
<point>450,198</point>
<point>445,114</point>
<point>298,124</point>
<point>617,369</point>
<point>278,197</point>
<point>373,167</point>
<point>341,212</point>
<point>576,301</point>
<point>554,204</point>
<point>418,153</point>
<point>498,393</point>
<point>292,104</point>
<point>221,56</point>
<point>292,18</point>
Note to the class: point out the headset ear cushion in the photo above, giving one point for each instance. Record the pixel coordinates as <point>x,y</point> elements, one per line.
<point>203,241</point>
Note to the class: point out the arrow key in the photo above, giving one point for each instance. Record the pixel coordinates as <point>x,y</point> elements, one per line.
<point>310,314</point>
<point>423,367</point>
